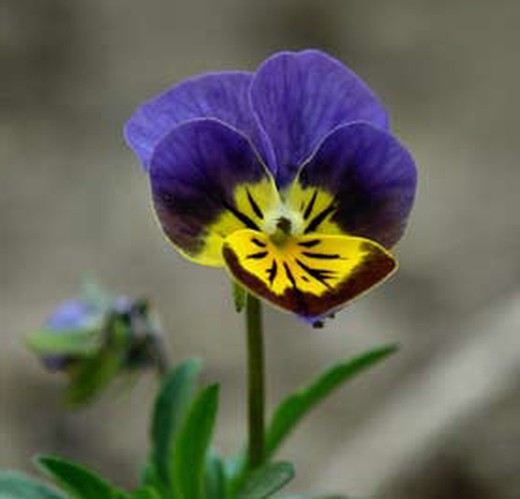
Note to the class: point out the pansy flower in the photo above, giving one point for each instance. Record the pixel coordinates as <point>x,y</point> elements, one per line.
<point>288,177</point>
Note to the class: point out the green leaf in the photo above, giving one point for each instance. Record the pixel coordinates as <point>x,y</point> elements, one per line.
<point>239,296</point>
<point>171,405</point>
<point>214,479</point>
<point>145,493</point>
<point>76,342</point>
<point>78,481</point>
<point>90,376</point>
<point>297,405</point>
<point>191,445</point>
<point>14,485</point>
<point>266,481</point>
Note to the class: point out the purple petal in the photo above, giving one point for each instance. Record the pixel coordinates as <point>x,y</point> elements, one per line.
<point>300,97</point>
<point>207,181</point>
<point>371,177</point>
<point>224,96</point>
<point>70,315</point>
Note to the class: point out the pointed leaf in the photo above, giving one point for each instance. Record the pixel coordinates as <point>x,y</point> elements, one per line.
<point>214,480</point>
<point>296,406</point>
<point>78,481</point>
<point>266,481</point>
<point>171,405</point>
<point>192,443</point>
<point>14,485</point>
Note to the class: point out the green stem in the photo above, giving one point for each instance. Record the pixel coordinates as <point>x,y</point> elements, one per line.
<point>256,385</point>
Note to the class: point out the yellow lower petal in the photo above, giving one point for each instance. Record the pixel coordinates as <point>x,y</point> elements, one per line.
<point>311,275</point>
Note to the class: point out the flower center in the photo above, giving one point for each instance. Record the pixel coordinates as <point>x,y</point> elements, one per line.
<point>281,223</point>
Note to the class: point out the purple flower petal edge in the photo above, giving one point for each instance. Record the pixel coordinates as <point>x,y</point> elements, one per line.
<point>372,178</point>
<point>223,95</point>
<point>299,97</point>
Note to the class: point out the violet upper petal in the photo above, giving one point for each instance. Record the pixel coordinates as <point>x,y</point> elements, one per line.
<point>370,179</point>
<point>223,95</point>
<point>299,97</point>
<point>207,182</point>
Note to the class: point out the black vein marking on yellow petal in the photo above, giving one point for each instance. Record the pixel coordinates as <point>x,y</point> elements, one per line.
<point>298,295</point>
<point>290,276</point>
<point>305,278</point>
<point>310,206</point>
<point>258,256</point>
<point>321,275</point>
<point>322,256</point>
<point>319,218</point>
<point>310,244</point>
<point>271,272</point>
<point>258,243</point>
<point>254,205</point>
<point>241,216</point>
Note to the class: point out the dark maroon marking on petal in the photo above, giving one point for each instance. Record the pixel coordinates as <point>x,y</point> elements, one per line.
<point>321,275</point>
<point>259,243</point>
<point>258,256</point>
<point>320,217</point>
<point>305,278</point>
<point>298,295</point>
<point>369,272</point>
<point>254,205</point>
<point>271,272</point>
<point>310,206</point>
<point>310,244</point>
<point>323,256</point>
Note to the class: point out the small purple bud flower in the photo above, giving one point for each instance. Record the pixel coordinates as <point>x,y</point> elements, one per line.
<point>80,328</point>
<point>71,316</point>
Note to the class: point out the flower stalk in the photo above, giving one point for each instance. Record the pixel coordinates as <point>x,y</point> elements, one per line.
<point>256,382</point>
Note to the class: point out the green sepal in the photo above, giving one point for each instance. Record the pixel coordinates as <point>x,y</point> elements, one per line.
<point>214,478</point>
<point>293,408</point>
<point>266,481</point>
<point>77,480</point>
<point>91,375</point>
<point>171,405</point>
<point>14,485</point>
<point>192,444</point>
<point>239,296</point>
<point>76,342</point>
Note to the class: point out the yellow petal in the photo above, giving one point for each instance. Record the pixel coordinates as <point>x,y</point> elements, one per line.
<point>247,208</point>
<point>311,275</point>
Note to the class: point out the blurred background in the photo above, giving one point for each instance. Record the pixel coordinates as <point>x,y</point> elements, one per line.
<point>439,420</point>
